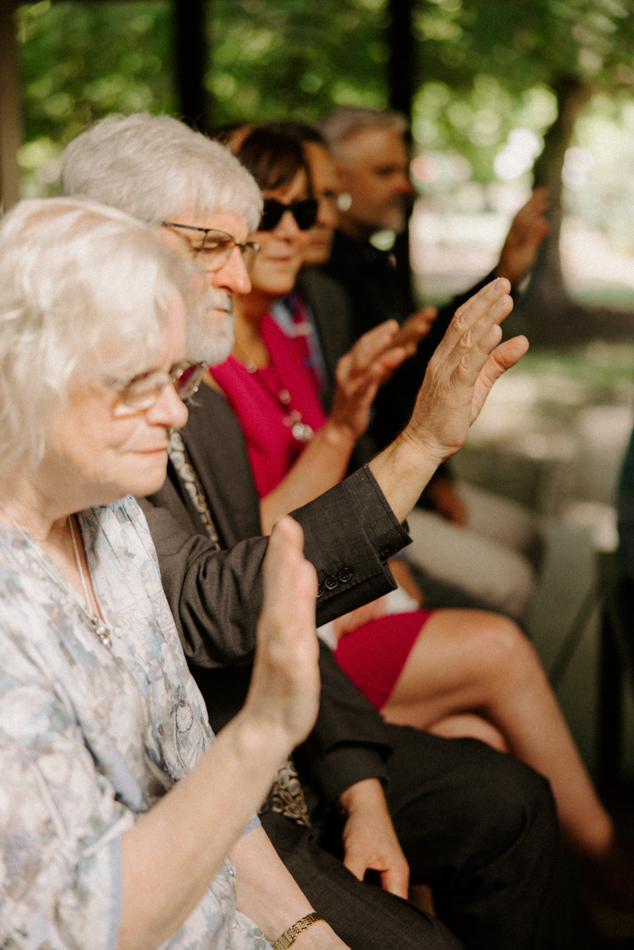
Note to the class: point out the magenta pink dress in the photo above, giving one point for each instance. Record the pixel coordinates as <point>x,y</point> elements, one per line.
<point>274,406</point>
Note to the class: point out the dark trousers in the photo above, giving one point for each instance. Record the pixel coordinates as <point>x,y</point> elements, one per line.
<point>364,916</point>
<point>476,825</point>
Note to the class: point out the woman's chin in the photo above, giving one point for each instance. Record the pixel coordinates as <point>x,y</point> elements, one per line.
<point>146,480</point>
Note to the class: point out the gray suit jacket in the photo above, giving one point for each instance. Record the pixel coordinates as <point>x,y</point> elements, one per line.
<point>216,596</point>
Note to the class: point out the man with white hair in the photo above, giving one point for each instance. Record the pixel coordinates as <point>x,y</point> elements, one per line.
<point>478,826</point>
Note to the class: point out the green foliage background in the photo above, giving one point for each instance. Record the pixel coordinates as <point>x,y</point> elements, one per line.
<point>485,67</point>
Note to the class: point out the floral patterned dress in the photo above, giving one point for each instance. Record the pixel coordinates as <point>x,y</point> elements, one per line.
<point>91,737</point>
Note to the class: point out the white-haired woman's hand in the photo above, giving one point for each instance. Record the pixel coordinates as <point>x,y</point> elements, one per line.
<point>284,692</point>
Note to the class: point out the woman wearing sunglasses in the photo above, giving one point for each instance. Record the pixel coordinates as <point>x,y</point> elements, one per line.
<point>306,442</point>
<point>453,672</point>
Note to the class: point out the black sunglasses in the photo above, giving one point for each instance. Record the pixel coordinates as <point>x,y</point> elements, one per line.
<point>304,212</point>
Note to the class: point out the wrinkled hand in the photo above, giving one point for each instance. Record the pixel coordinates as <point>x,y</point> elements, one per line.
<point>360,373</point>
<point>416,327</point>
<point>369,838</point>
<point>284,691</point>
<point>462,372</point>
<point>528,230</point>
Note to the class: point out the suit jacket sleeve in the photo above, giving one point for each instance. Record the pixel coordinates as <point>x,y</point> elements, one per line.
<point>216,596</point>
<point>349,740</point>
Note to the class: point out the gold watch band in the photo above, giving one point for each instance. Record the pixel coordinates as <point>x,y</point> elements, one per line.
<point>289,936</point>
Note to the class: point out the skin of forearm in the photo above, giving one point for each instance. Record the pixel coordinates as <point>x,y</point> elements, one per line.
<point>265,891</point>
<point>322,464</point>
<point>171,855</point>
<point>402,471</point>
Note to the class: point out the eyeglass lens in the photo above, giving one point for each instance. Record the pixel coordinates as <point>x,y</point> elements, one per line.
<point>216,247</point>
<point>216,250</point>
<point>304,212</point>
<point>143,391</point>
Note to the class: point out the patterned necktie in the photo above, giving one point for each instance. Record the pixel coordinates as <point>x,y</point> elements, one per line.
<point>287,794</point>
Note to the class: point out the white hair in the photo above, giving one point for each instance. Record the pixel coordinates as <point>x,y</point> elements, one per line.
<point>154,167</point>
<point>85,291</point>
<point>342,122</point>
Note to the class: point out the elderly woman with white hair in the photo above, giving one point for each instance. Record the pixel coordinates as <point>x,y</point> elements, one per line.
<point>117,810</point>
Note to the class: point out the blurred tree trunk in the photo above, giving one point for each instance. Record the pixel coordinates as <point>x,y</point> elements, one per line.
<point>11,122</point>
<point>400,77</point>
<point>191,49</point>
<point>546,296</point>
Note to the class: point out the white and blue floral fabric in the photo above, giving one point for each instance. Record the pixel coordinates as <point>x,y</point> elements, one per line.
<point>90,738</point>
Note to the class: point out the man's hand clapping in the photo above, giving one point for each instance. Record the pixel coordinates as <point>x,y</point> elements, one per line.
<point>458,380</point>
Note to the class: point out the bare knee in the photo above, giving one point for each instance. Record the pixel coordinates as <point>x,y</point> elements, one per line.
<point>505,650</point>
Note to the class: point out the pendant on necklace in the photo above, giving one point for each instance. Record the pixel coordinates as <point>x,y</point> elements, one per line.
<point>299,430</point>
<point>302,432</point>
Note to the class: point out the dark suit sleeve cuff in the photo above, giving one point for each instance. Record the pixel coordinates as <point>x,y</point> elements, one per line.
<point>342,767</point>
<point>349,533</point>
<point>384,531</point>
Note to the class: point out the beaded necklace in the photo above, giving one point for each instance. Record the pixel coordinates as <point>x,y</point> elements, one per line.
<point>292,417</point>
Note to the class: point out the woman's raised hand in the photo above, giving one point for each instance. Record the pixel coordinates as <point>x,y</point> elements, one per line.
<point>361,372</point>
<point>284,691</point>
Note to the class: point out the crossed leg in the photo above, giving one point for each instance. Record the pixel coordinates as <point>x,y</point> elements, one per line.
<point>473,673</point>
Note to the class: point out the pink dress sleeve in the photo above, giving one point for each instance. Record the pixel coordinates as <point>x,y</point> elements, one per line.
<point>266,415</point>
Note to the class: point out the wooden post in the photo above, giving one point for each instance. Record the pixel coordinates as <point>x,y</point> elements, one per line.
<point>191,56</point>
<point>400,77</point>
<point>11,124</point>
<point>400,67</point>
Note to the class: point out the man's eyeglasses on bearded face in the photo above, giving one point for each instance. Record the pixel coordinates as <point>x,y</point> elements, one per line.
<point>215,248</point>
<point>143,391</point>
<point>304,212</point>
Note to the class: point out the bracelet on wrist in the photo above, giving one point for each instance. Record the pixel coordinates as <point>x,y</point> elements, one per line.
<point>289,936</point>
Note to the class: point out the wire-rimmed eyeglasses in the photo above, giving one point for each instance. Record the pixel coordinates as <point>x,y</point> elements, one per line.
<point>216,247</point>
<point>143,391</point>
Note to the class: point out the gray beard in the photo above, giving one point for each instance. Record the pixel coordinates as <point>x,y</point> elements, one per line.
<point>219,343</point>
<point>219,338</point>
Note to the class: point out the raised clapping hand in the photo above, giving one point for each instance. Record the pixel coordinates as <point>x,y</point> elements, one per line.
<point>284,691</point>
<point>458,379</point>
<point>416,327</point>
<point>362,371</point>
<point>527,231</point>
